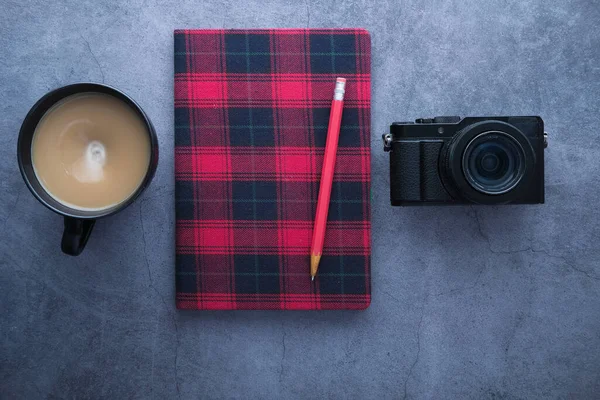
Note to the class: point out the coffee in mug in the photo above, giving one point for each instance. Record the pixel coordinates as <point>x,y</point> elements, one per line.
<point>86,151</point>
<point>91,151</point>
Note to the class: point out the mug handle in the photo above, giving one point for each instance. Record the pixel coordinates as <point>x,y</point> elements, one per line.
<point>76,234</point>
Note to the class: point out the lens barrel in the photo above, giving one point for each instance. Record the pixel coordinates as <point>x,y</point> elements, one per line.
<point>488,162</point>
<point>493,162</point>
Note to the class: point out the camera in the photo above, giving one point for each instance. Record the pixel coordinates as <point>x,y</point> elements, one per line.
<point>472,160</point>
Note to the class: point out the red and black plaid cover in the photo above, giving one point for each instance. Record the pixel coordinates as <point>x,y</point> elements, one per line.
<point>251,115</point>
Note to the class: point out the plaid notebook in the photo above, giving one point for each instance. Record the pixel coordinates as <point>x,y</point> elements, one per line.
<point>251,115</point>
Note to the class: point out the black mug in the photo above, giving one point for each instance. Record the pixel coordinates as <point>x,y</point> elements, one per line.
<point>78,224</point>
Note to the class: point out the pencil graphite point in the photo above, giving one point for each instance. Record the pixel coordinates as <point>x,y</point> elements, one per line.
<point>312,278</point>
<point>314,264</point>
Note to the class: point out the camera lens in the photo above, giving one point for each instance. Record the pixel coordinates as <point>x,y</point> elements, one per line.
<point>493,163</point>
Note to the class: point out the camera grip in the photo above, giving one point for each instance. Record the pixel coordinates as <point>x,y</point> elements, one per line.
<point>405,171</point>
<point>414,173</point>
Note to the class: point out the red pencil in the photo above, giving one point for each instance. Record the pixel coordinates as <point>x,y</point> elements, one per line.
<point>333,134</point>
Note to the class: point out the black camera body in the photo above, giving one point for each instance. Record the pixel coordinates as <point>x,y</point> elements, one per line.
<point>473,160</point>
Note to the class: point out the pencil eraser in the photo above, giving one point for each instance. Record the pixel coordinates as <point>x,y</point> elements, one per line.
<point>340,89</point>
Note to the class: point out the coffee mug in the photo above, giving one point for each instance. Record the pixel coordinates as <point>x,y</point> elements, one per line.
<point>78,223</point>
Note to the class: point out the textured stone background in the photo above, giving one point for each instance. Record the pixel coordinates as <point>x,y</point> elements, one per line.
<point>468,302</point>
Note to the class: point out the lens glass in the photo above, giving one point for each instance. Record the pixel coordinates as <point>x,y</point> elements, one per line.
<point>493,163</point>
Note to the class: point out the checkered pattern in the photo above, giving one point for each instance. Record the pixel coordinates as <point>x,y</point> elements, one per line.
<point>251,115</point>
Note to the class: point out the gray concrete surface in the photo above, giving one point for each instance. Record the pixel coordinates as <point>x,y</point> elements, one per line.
<point>468,302</point>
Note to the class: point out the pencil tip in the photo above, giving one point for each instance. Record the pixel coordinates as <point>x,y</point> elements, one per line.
<point>312,278</point>
<point>314,264</point>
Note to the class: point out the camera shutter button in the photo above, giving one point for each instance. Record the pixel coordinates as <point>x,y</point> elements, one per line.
<point>446,120</point>
<point>424,120</point>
